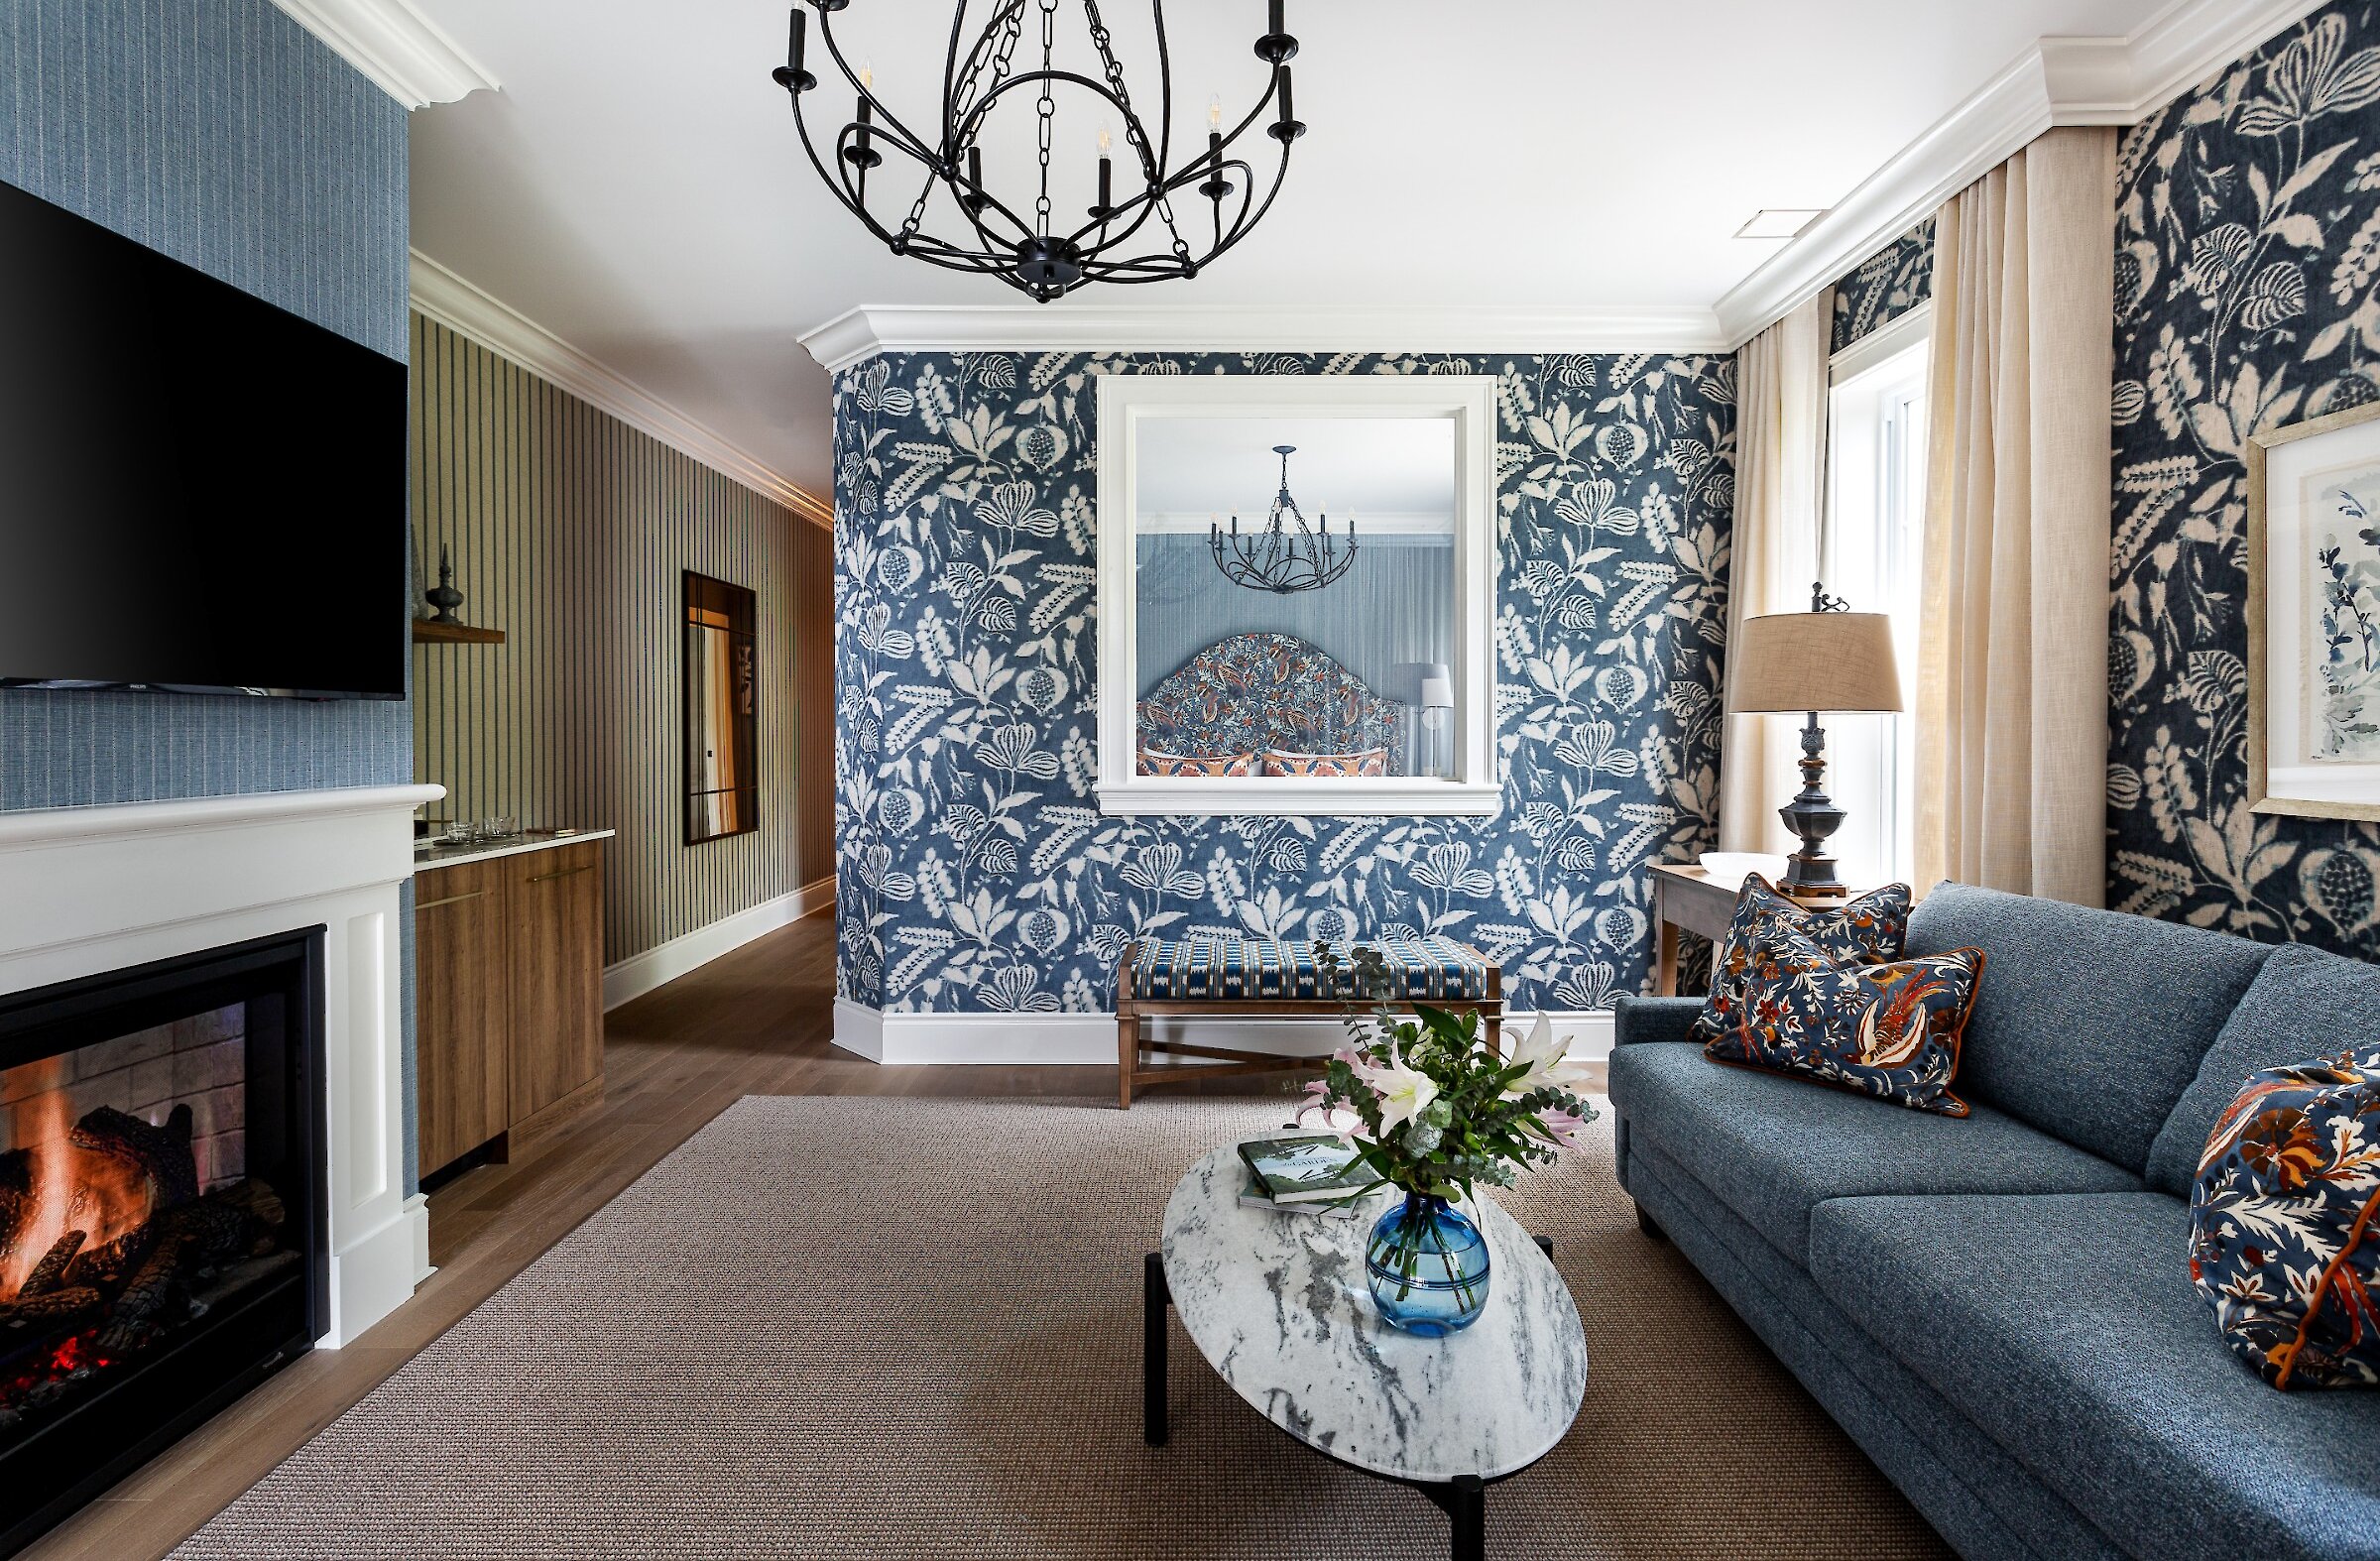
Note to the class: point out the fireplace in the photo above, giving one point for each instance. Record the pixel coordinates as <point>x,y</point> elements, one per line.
<point>163,1240</point>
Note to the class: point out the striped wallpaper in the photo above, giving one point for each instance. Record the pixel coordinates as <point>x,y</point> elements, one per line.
<point>569,531</point>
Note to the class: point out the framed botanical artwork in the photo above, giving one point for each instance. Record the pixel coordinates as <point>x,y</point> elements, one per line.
<point>2314,617</point>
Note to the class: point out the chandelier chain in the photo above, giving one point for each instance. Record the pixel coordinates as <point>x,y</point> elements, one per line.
<point>1006,29</point>
<point>1133,135</point>
<point>1047,108</point>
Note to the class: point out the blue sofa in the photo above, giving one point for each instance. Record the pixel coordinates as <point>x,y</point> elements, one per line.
<point>1999,1308</point>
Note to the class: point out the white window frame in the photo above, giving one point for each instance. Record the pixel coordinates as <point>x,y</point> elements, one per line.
<point>1877,491</point>
<point>1125,401</point>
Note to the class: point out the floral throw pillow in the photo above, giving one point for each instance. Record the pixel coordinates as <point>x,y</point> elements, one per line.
<point>2285,1223</point>
<point>1153,763</point>
<point>1890,1030</point>
<point>1863,931</point>
<point>1363,762</point>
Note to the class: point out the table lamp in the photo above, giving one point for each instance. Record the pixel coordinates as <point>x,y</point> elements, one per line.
<point>1436,703</point>
<point>1827,658</point>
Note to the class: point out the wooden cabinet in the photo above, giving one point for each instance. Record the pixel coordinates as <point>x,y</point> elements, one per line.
<point>555,915</point>
<point>509,984</point>
<point>462,1085</point>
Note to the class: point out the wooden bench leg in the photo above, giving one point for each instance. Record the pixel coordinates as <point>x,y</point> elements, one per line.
<point>1128,1029</point>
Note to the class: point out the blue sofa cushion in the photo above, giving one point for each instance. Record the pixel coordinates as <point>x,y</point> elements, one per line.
<point>2092,1023</point>
<point>2301,1001</point>
<point>1858,932</point>
<point>1979,1497</point>
<point>2067,1328</point>
<point>1889,1031</point>
<point>2282,1239</point>
<point>1772,1148</point>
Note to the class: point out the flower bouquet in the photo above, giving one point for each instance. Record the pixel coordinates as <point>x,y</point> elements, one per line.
<point>1435,1109</point>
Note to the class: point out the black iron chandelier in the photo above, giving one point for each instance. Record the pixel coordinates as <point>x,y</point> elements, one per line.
<point>1020,238</point>
<point>1283,559</point>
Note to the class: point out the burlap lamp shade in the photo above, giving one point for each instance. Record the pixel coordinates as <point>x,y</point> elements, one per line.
<point>1812,661</point>
<point>1817,662</point>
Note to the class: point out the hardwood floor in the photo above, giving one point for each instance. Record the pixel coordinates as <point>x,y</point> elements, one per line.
<point>756,1021</point>
<point>753,1023</point>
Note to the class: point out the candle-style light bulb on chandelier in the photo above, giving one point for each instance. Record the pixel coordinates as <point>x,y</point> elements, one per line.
<point>1287,554</point>
<point>1133,232</point>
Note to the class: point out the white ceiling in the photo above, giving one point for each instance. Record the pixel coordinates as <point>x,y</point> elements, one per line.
<point>1397,471</point>
<point>637,189</point>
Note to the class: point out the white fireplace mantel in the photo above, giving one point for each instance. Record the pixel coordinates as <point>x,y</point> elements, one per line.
<point>84,891</point>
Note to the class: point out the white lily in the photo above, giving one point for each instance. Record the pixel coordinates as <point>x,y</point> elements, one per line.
<point>1404,1092</point>
<point>1548,1062</point>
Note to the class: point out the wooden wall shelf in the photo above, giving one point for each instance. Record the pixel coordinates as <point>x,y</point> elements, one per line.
<point>427,632</point>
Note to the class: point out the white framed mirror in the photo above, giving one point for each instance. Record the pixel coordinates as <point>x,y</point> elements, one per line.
<point>1296,594</point>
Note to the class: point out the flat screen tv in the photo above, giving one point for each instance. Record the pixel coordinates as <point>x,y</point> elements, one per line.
<point>198,492</point>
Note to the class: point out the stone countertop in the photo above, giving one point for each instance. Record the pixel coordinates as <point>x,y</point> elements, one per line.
<point>1278,1305</point>
<point>427,854</point>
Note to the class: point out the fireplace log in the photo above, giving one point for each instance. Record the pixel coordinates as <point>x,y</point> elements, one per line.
<point>58,1309</point>
<point>135,1319</point>
<point>111,1266</point>
<point>51,1273</point>
<point>262,1203</point>
<point>213,1226</point>
<point>161,1153</point>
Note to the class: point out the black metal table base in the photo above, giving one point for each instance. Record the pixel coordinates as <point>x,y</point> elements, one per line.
<point>1464,1499</point>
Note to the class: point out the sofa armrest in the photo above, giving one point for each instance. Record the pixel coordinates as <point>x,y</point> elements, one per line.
<point>1635,1020</point>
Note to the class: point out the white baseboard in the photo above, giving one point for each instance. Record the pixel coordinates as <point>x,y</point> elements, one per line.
<point>907,1039</point>
<point>416,1216</point>
<point>663,963</point>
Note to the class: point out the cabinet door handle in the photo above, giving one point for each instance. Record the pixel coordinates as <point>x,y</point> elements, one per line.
<point>433,904</point>
<point>567,872</point>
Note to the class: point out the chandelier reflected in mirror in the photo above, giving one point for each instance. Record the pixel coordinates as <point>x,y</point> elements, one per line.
<point>1287,554</point>
<point>1004,221</point>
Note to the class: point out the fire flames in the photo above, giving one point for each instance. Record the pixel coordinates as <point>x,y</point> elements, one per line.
<point>71,1189</point>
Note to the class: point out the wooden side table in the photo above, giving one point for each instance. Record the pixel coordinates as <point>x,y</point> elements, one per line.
<point>1688,899</point>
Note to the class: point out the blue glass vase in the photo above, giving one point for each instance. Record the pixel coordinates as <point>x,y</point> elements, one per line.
<point>1428,1267</point>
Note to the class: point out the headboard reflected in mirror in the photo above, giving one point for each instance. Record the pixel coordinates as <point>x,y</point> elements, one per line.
<point>1247,695</point>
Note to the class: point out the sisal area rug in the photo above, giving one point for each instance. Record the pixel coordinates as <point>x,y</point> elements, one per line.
<point>912,1328</point>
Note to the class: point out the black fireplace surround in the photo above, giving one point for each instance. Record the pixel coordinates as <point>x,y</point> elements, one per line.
<point>162,1209</point>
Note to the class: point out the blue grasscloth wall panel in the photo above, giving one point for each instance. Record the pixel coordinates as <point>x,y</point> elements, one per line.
<point>1886,286</point>
<point>2247,298</point>
<point>223,134</point>
<point>976,872</point>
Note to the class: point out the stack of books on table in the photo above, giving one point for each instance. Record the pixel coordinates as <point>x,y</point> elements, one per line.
<point>1304,1173</point>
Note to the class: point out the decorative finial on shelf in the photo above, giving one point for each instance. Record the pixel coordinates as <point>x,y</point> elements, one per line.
<point>444,596</point>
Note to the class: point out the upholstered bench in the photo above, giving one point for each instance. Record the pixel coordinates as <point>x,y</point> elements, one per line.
<point>1273,978</point>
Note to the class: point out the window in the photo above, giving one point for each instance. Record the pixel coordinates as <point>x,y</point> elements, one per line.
<point>1297,582</point>
<point>1872,557</point>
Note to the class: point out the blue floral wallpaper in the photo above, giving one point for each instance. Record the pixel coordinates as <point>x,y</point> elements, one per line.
<point>977,872</point>
<point>2247,298</point>
<point>1887,285</point>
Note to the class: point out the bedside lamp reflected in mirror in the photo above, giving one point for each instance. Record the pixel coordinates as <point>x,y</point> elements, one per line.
<point>1827,658</point>
<point>1437,705</point>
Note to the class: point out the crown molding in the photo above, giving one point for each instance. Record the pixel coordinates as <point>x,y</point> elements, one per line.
<point>405,54</point>
<point>859,333</point>
<point>440,295</point>
<point>2056,81</point>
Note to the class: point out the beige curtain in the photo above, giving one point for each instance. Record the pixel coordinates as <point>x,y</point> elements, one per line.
<point>1780,475</point>
<point>2012,697</point>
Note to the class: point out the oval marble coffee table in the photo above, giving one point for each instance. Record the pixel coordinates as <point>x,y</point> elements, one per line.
<point>1278,1304</point>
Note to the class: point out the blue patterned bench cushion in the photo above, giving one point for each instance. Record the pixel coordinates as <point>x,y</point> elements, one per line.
<point>1234,969</point>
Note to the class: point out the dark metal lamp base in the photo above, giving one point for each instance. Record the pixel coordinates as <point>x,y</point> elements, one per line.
<point>1812,815</point>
